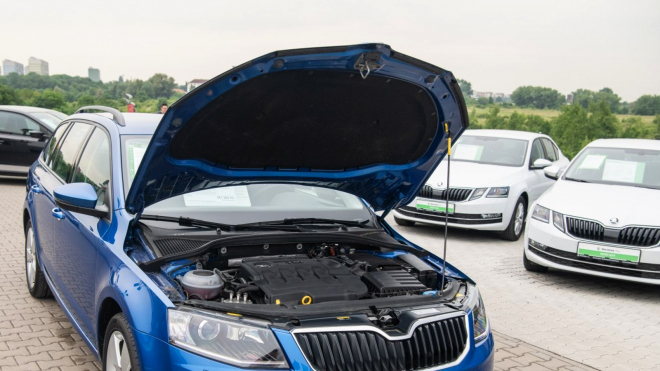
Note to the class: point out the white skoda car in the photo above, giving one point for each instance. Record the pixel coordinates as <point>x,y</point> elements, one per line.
<point>494,176</point>
<point>601,217</point>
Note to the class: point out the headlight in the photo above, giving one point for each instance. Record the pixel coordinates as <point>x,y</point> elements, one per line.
<point>233,340</point>
<point>498,192</point>
<point>477,193</point>
<point>541,213</point>
<point>558,220</point>
<point>479,318</point>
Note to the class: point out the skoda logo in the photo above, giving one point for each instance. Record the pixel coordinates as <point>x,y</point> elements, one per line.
<point>439,184</point>
<point>614,220</point>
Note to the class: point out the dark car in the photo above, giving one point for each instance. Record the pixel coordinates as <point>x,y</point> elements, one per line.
<point>240,230</point>
<point>24,132</point>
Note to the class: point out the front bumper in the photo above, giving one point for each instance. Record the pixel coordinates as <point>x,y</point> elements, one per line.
<point>467,214</point>
<point>548,246</point>
<point>156,354</point>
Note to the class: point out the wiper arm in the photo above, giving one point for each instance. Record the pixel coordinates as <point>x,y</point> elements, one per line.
<point>576,180</point>
<point>343,224</point>
<point>190,222</point>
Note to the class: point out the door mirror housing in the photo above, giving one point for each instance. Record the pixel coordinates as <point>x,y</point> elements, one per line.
<point>79,198</point>
<point>36,134</point>
<point>541,163</point>
<point>553,172</point>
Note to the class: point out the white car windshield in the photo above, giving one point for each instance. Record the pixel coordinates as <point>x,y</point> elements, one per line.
<point>490,150</point>
<point>246,203</point>
<point>621,166</point>
<point>49,119</point>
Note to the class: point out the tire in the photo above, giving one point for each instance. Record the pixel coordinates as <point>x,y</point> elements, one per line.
<point>34,276</point>
<point>119,349</point>
<point>404,222</point>
<point>533,267</point>
<point>517,222</point>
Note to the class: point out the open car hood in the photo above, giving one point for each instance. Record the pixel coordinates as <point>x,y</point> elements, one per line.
<point>361,119</point>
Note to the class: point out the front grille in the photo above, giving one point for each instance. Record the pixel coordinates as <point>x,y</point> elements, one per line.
<point>171,246</point>
<point>468,219</point>
<point>639,236</point>
<point>585,229</point>
<point>430,345</point>
<point>455,194</point>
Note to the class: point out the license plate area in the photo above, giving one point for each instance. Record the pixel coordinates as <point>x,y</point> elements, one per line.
<point>609,253</point>
<point>434,206</point>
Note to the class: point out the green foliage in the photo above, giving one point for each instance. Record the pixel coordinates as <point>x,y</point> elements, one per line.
<point>537,97</point>
<point>647,105</point>
<point>162,85</point>
<point>585,97</point>
<point>633,127</point>
<point>466,87</point>
<point>48,99</point>
<point>9,96</point>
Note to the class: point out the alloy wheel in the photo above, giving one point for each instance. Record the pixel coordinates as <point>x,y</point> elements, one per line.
<point>117,357</point>
<point>30,258</point>
<point>520,219</point>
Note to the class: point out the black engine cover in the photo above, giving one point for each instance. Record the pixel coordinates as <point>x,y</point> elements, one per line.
<point>289,280</point>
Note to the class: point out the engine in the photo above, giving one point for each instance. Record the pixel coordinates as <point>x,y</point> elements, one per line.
<point>315,278</point>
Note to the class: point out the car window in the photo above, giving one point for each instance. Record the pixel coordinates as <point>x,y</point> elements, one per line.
<point>48,118</point>
<point>64,158</point>
<point>52,144</point>
<point>14,123</point>
<point>537,151</point>
<point>94,164</point>
<point>550,152</point>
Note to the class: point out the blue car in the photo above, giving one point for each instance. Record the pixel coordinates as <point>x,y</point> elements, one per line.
<point>244,228</point>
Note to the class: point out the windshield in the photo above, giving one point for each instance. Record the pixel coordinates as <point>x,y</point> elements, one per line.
<point>490,150</point>
<point>247,203</point>
<point>622,166</point>
<point>51,120</point>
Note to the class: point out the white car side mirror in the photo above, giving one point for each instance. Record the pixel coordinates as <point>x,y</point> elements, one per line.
<point>552,172</point>
<point>541,163</point>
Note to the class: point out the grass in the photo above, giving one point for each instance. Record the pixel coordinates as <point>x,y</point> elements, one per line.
<point>545,113</point>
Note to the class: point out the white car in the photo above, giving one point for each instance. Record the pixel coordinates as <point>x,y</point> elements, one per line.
<point>601,217</point>
<point>494,176</point>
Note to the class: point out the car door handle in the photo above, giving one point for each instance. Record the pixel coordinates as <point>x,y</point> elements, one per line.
<point>58,213</point>
<point>35,189</point>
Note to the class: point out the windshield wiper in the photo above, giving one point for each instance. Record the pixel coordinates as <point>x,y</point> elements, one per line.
<point>343,224</point>
<point>576,180</point>
<point>190,222</point>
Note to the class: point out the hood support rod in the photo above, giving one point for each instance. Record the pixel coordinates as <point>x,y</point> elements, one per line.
<point>444,253</point>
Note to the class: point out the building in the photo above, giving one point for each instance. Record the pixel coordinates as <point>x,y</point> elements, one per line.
<point>94,74</point>
<point>38,66</point>
<point>11,67</point>
<point>194,84</point>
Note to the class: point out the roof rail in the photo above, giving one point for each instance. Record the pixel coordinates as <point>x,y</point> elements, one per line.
<point>116,115</point>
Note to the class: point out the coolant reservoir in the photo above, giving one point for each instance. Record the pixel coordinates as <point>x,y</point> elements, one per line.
<point>203,283</point>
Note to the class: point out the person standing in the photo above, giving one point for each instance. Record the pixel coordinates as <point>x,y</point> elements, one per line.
<point>163,108</point>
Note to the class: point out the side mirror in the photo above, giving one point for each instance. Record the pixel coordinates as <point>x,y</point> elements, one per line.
<point>553,172</point>
<point>541,163</point>
<point>36,134</point>
<point>79,198</point>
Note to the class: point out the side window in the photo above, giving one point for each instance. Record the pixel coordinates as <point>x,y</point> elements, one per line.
<point>14,123</point>
<point>537,152</point>
<point>549,150</point>
<point>64,158</point>
<point>50,147</point>
<point>94,164</point>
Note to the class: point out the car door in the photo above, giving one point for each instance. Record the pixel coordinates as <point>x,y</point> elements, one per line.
<point>65,250</point>
<point>21,141</point>
<point>537,183</point>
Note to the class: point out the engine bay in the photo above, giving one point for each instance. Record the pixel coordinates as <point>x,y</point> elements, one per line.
<point>327,273</point>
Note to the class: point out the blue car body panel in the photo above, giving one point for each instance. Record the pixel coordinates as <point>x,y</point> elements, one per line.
<point>87,268</point>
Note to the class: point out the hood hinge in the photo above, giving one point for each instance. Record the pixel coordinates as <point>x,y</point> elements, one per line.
<point>368,62</point>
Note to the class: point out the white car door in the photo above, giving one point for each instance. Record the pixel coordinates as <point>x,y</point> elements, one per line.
<point>537,183</point>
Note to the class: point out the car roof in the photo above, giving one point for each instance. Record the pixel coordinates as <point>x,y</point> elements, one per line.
<point>25,109</point>
<point>136,123</point>
<point>513,134</point>
<point>626,143</point>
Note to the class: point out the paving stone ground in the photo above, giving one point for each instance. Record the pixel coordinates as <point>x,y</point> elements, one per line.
<point>541,322</point>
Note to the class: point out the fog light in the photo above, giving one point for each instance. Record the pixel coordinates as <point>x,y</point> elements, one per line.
<point>490,216</point>
<point>537,244</point>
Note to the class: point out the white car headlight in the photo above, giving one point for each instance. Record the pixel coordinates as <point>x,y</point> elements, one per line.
<point>558,220</point>
<point>234,340</point>
<point>500,192</point>
<point>477,193</point>
<point>541,213</point>
<point>479,317</point>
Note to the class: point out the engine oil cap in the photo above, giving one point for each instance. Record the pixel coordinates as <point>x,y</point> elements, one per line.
<point>306,300</point>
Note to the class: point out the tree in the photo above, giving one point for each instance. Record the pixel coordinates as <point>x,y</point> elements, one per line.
<point>647,105</point>
<point>537,97</point>
<point>162,85</point>
<point>9,96</point>
<point>466,88</point>
<point>633,127</point>
<point>494,120</point>
<point>656,122</point>
<point>585,97</point>
<point>49,99</point>
<point>569,129</point>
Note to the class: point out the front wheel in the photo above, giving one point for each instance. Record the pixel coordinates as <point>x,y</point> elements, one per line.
<point>517,222</point>
<point>119,350</point>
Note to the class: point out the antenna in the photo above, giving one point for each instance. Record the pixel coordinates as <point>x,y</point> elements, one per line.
<point>444,253</point>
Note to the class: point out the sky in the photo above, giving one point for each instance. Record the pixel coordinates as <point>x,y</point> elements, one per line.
<point>496,45</point>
